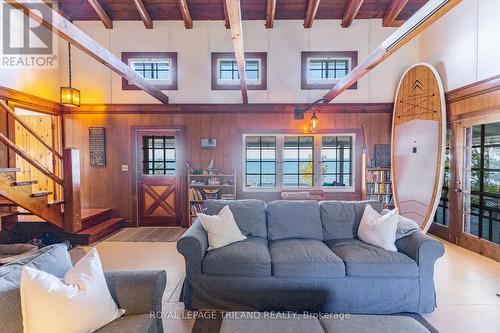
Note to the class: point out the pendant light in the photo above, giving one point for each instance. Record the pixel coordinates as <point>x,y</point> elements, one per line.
<point>69,95</point>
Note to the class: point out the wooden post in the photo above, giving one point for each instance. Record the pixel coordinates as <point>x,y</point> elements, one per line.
<point>71,186</point>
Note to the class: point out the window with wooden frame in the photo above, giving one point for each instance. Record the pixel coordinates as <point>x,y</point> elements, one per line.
<point>225,74</point>
<point>160,68</point>
<point>294,161</point>
<point>321,70</point>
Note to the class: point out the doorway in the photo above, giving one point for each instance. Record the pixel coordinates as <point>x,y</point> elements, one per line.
<point>159,175</point>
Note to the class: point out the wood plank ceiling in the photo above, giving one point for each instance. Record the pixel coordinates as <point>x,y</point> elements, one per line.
<point>394,12</point>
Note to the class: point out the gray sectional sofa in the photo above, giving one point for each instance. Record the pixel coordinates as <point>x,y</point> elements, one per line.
<point>139,293</point>
<point>305,256</point>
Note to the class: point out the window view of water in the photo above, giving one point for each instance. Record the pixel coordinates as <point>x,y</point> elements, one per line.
<point>298,165</point>
<point>482,182</point>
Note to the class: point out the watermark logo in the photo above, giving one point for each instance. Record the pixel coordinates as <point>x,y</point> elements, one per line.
<point>27,42</point>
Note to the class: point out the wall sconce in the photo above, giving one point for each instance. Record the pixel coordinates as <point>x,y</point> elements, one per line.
<point>70,96</point>
<point>314,122</point>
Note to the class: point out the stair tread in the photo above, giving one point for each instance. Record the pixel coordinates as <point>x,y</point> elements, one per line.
<point>90,213</point>
<point>101,226</point>
<point>24,183</point>
<point>55,203</point>
<point>7,214</point>
<point>40,194</point>
<point>10,169</point>
<point>5,202</point>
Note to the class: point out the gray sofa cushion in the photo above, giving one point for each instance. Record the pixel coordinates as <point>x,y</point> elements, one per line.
<point>301,258</point>
<point>362,259</point>
<point>340,219</point>
<point>141,323</point>
<point>250,215</point>
<point>294,219</point>
<point>249,257</point>
<point>52,259</point>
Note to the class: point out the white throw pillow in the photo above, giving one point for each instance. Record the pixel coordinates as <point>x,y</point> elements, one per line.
<point>80,302</point>
<point>379,230</point>
<point>222,229</point>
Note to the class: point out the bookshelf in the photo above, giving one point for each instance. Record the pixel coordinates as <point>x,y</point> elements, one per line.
<point>209,186</point>
<point>379,186</point>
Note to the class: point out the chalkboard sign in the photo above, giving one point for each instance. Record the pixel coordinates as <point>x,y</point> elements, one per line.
<point>382,156</point>
<point>97,146</point>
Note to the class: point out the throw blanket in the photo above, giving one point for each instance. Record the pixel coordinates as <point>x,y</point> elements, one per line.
<point>405,226</point>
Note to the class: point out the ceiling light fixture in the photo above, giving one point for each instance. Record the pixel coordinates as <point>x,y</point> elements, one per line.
<point>69,95</point>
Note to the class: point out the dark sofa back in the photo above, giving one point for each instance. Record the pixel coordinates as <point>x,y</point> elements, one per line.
<point>250,215</point>
<point>53,259</point>
<point>340,219</point>
<point>293,219</point>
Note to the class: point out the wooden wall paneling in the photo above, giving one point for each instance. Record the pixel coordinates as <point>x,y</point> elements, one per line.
<point>42,125</point>
<point>110,187</point>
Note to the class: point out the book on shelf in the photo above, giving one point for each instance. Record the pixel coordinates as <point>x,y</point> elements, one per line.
<point>377,176</point>
<point>195,195</point>
<point>197,208</point>
<point>383,187</point>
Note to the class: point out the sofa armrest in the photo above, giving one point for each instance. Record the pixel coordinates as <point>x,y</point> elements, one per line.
<point>425,251</point>
<point>193,246</point>
<point>138,292</point>
<point>421,248</point>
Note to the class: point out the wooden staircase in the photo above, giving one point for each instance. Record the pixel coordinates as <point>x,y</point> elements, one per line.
<point>31,214</point>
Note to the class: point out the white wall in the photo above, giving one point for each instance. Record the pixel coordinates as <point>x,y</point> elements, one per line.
<point>464,45</point>
<point>283,44</point>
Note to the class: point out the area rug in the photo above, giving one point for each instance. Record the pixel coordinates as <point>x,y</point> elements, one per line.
<point>147,234</point>
<point>260,322</point>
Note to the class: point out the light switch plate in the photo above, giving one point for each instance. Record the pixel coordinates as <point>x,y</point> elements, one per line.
<point>124,167</point>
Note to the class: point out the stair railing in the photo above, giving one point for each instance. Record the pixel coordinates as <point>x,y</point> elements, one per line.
<point>70,182</point>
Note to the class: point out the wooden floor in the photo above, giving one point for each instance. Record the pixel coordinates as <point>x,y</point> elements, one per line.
<point>467,284</point>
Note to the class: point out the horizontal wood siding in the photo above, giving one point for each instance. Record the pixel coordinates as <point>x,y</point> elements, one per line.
<point>111,187</point>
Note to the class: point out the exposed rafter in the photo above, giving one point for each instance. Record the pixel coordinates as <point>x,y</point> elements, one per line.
<point>226,18</point>
<point>103,16</point>
<point>312,8</point>
<point>271,12</point>
<point>392,13</point>
<point>234,14</point>
<point>351,11</point>
<point>148,23</point>
<point>427,15</point>
<point>186,16</point>
<point>69,32</point>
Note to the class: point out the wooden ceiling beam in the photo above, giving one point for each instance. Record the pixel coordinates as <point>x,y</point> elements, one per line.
<point>312,8</point>
<point>226,18</point>
<point>351,11</point>
<point>103,16</point>
<point>392,13</point>
<point>72,34</point>
<point>234,15</point>
<point>271,13</point>
<point>423,18</point>
<point>143,12</point>
<point>186,16</point>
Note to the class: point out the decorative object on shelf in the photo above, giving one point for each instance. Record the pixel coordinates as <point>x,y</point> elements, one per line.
<point>97,146</point>
<point>213,181</point>
<point>382,156</point>
<point>211,167</point>
<point>209,143</point>
<point>212,194</point>
<point>70,96</point>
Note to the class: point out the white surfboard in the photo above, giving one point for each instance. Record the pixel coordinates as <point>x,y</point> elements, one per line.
<point>418,144</point>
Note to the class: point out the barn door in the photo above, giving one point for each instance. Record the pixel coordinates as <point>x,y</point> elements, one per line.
<point>159,178</point>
